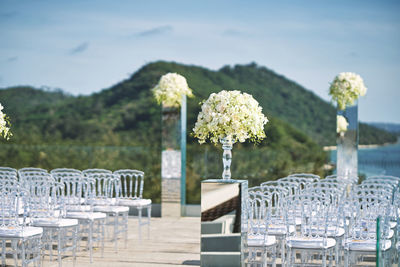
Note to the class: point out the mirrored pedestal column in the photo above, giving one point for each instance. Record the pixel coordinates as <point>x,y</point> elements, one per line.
<point>222,229</point>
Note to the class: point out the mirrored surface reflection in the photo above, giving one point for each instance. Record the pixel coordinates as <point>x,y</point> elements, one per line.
<point>221,222</point>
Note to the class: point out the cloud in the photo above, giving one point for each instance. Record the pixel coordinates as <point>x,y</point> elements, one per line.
<point>79,49</point>
<point>155,31</point>
<point>12,59</point>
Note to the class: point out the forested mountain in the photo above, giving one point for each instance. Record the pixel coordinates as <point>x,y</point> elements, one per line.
<point>389,127</point>
<point>120,127</point>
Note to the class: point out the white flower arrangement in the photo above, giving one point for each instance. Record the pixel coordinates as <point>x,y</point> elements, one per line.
<point>170,89</point>
<point>346,88</point>
<point>230,114</point>
<point>4,123</point>
<point>341,124</point>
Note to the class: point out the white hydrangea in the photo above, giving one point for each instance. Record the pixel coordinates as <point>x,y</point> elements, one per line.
<point>170,89</point>
<point>341,124</point>
<point>4,123</point>
<point>346,88</point>
<point>230,114</point>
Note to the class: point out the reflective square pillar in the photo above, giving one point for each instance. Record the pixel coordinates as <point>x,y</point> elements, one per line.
<point>222,229</point>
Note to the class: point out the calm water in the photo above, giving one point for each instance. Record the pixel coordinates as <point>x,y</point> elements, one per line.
<point>375,161</point>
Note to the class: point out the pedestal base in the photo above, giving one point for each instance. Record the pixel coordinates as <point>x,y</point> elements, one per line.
<point>171,197</point>
<point>170,210</point>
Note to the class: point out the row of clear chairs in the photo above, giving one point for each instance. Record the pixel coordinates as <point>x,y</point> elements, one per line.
<point>303,220</point>
<point>70,205</point>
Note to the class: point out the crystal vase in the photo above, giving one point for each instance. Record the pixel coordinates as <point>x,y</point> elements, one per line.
<point>347,144</point>
<point>227,145</point>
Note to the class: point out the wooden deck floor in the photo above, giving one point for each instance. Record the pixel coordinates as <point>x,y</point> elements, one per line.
<point>172,242</point>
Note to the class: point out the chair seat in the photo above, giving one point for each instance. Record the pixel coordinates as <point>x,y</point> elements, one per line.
<point>259,241</point>
<point>366,245</point>
<point>86,215</point>
<point>19,232</point>
<point>134,202</point>
<point>78,207</point>
<point>310,243</point>
<point>332,231</point>
<point>101,201</point>
<point>389,235</point>
<point>335,231</point>
<point>54,222</point>
<point>111,209</point>
<point>71,200</point>
<point>280,229</point>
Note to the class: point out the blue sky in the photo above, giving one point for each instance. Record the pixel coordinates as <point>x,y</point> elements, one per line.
<point>88,45</point>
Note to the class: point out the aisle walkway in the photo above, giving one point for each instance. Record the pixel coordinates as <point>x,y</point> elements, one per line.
<point>173,242</point>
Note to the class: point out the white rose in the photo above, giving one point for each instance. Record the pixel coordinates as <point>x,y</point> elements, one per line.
<point>341,124</point>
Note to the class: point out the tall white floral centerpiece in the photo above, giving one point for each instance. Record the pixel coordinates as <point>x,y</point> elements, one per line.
<point>228,117</point>
<point>171,91</point>
<point>345,90</point>
<point>4,125</point>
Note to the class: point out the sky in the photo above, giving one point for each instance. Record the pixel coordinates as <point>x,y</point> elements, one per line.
<point>84,46</point>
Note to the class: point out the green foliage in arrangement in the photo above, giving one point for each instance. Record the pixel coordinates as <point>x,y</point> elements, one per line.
<point>120,127</point>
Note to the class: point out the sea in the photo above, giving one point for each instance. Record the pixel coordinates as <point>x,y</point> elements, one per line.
<point>381,160</point>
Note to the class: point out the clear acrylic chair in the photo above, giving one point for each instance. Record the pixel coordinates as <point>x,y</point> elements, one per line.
<point>47,211</point>
<point>73,181</point>
<point>25,241</point>
<point>259,243</point>
<point>312,240</point>
<point>77,197</point>
<point>361,235</point>
<point>106,200</point>
<point>333,197</point>
<point>276,195</point>
<point>130,194</point>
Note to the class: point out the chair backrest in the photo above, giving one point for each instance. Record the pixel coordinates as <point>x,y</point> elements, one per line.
<point>106,183</point>
<point>9,171</point>
<point>11,200</point>
<point>351,179</point>
<point>74,187</point>
<point>310,176</point>
<point>7,176</point>
<point>363,219</point>
<point>61,172</point>
<point>8,182</point>
<point>95,171</point>
<point>313,211</point>
<point>131,183</point>
<point>25,174</point>
<point>45,197</point>
<point>292,187</point>
<point>257,216</point>
<point>301,179</point>
<point>32,169</point>
<point>385,177</point>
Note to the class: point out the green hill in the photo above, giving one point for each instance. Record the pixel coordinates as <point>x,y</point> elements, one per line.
<point>120,127</point>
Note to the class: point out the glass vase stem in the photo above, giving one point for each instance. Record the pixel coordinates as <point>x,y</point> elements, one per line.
<point>226,158</point>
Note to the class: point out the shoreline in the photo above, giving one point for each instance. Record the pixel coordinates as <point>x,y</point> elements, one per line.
<point>330,148</point>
